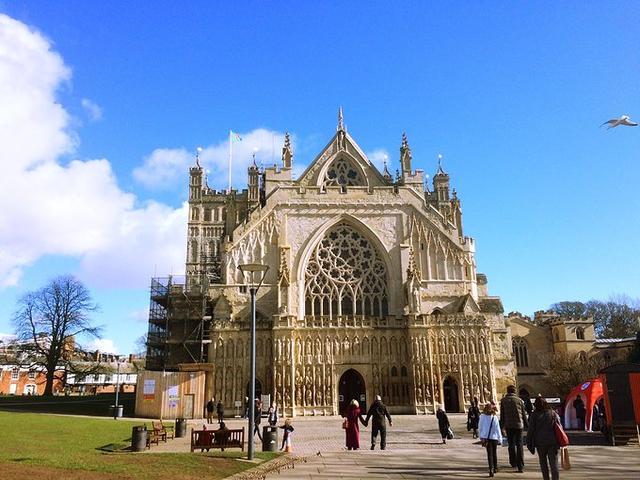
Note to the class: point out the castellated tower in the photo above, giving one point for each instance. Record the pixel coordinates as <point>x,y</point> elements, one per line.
<point>372,289</point>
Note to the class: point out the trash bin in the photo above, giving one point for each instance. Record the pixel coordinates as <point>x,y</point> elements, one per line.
<point>118,411</point>
<point>139,438</point>
<point>181,427</point>
<point>269,439</point>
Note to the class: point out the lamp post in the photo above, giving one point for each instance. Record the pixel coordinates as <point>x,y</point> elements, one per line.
<point>252,269</point>
<point>115,408</point>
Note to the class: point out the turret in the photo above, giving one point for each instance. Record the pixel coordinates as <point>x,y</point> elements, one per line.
<point>254,183</point>
<point>195,179</point>
<point>441,183</point>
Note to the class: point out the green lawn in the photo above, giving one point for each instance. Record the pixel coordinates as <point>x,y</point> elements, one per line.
<point>50,446</point>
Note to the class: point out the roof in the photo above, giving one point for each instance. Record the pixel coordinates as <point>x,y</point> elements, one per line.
<point>490,305</point>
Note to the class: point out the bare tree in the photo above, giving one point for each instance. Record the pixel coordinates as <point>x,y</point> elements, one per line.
<point>565,370</point>
<point>48,321</point>
<point>618,317</point>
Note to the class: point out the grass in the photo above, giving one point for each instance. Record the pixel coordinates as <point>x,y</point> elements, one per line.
<point>97,405</point>
<point>49,446</point>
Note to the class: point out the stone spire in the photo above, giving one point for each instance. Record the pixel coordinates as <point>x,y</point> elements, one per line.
<point>385,172</point>
<point>340,120</point>
<point>287,152</point>
<point>405,156</point>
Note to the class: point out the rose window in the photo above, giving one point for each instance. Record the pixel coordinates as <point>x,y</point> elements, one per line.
<point>345,276</point>
<point>342,173</point>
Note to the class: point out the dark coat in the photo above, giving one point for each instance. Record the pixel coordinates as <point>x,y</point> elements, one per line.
<point>220,408</point>
<point>541,432</point>
<point>210,406</point>
<point>377,412</point>
<point>443,422</point>
<point>512,412</point>
<point>473,417</point>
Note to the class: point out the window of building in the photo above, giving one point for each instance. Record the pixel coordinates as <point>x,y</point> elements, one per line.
<point>15,373</point>
<point>96,377</point>
<point>343,173</point>
<point>520,352</point>
<point>32,374</point>
<point>580,333</point>
<point>556,335</point>
<point>345,276</point>
<point>207,214</point>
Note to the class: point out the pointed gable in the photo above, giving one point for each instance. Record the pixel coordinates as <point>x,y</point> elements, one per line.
<point>342,163</point>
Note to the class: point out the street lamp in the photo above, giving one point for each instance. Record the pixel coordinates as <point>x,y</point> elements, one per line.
<point>115,408</point>
<point>252,269</point>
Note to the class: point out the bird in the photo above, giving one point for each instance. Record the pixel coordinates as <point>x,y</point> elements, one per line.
<point>623,120</point>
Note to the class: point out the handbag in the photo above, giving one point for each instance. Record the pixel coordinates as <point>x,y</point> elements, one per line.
<point>345,424</point>
<point>564,458</point>
<point>561,436</point>
<point>449,433</point>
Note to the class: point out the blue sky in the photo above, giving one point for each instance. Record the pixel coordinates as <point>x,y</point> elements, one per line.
<point>119,95</point>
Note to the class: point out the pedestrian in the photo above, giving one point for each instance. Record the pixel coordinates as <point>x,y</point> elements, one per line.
<point>490,435</point>
<point>513,419</point>
<point>220,411</point>
<point>210,405</point>
<point>257,418</point>
<point>473,416</point>
<point>581,411</point>
<point>246,407</point>
<point>541,436</point>
<point>528,407</point>
<point>378,412</point>
<point>443,424</point>
<point>273,415</point>
<point>287,436</point>
<point>351,425</point>
<point>602,416</point>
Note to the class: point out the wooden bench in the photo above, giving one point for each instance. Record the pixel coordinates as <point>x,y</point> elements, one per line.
<point>160,432</point>
<point>207,439</point>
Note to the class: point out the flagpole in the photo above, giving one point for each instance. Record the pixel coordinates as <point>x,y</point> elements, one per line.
<point>230,153</point>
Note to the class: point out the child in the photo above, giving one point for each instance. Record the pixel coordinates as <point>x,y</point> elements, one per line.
<point>286,437</point>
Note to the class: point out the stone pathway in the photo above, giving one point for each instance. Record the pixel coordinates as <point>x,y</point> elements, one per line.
<point>414,450</point>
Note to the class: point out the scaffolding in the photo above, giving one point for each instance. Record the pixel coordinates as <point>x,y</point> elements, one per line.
<point>179,321</point>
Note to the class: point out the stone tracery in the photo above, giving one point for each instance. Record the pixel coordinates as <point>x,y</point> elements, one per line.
<point>345,276</point>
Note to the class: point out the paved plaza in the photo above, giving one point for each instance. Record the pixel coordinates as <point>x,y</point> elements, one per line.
<point>414,450</point>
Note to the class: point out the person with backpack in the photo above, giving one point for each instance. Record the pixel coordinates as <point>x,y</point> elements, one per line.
<point>443,424</point>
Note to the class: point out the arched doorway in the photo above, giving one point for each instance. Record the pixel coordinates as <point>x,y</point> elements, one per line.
<point>450,387</point>
<point>350,387</point>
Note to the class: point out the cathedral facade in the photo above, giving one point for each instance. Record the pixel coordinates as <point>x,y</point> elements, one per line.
<point>371,289</point>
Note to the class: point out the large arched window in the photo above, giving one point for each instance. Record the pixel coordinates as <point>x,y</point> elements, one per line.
<point>520,352</point>
<point>580,333</point>
<point>345,276</point>
<point>342,173</point>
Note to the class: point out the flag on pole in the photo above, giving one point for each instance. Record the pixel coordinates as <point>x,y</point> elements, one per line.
<point>235,137</point>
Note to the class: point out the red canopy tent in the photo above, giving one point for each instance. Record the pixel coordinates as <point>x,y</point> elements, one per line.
<point>590,392</point>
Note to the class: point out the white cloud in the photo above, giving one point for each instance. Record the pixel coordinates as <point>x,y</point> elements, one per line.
<point>103,345</point>
<point>167,168</point>
<point>76,209</point>
<point>378,157</point>
<point>163,168</point>
<point>93,109</point>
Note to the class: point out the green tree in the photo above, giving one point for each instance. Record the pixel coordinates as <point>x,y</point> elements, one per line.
<point>49,320</point>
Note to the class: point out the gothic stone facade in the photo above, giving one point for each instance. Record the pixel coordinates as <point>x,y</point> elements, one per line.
<point>372,287</point>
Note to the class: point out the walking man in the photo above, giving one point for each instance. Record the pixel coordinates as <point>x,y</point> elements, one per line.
<point>210,405</point>
<point>377,412</point>
<point>220,411</point>
<point>581,412</point>
<point>513,419</point>
<point>257,418</point>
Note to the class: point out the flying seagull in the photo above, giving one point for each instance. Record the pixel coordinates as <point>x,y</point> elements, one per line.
<point>623,120</point>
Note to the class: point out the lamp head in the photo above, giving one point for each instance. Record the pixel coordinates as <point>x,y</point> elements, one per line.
<point>253,267</point>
